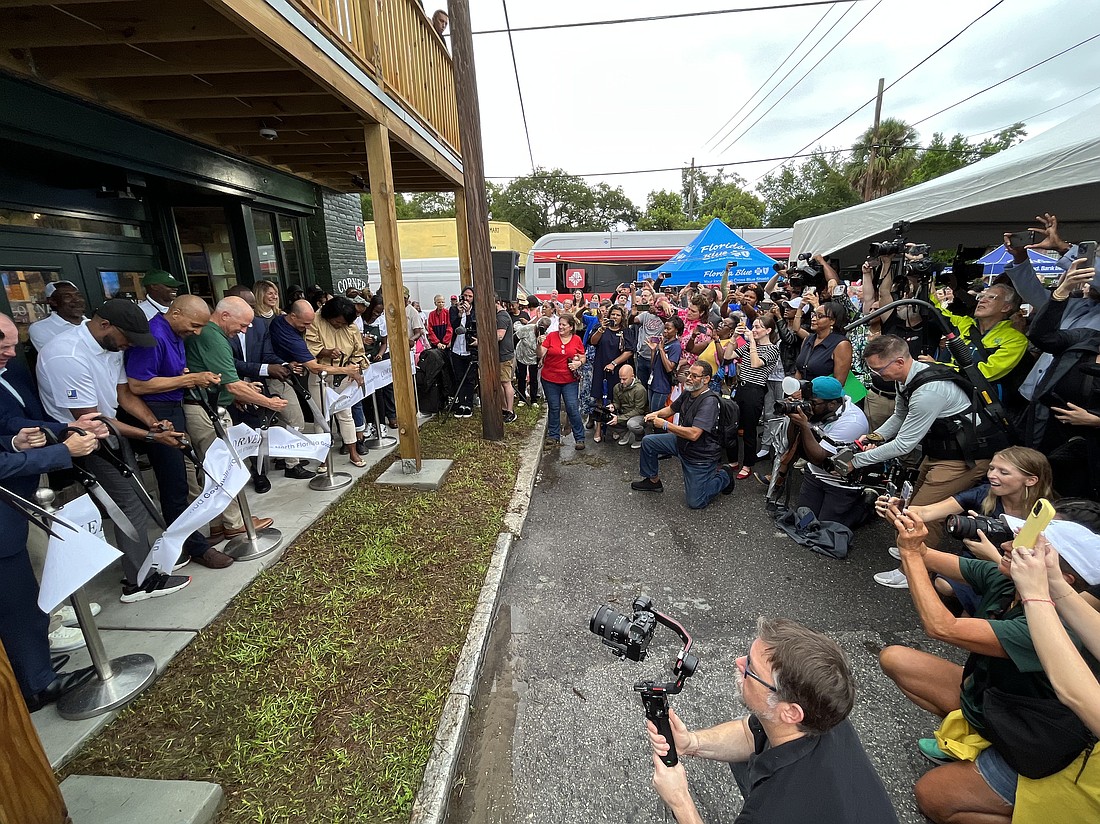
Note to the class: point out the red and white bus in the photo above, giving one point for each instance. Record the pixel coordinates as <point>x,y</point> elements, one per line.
<point>596,262</point>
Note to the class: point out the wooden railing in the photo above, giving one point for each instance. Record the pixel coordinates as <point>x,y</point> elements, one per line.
<point>396,44</point>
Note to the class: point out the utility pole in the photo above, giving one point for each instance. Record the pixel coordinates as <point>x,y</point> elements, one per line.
<point>477,220</point>
<point>691,193</point>
<point>872,156</point>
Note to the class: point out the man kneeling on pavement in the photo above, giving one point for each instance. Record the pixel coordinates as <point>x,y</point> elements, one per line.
<point>694,441</point>
<point>631,401</point>
<point>795,757</point>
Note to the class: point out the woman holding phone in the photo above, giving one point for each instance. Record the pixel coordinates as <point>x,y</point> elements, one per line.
<point>755,360</point>
<point>562,356</point>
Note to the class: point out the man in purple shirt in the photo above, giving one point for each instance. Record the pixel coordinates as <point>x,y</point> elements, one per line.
<point>159,376</point>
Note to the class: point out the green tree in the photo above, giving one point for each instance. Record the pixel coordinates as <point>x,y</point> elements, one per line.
<point>732,205</point>
<point>556,201</point>
<point>942,156</point>
<point>664,211</point>
<point>814,187</point>
<point>405,207</point>
<point>895,158</point>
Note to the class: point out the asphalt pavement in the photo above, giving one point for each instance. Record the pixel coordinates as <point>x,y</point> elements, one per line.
<point>557,732</point>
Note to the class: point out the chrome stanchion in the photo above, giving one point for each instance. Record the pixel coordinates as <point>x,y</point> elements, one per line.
<point>255,543</point>
<point>118,680</point>
<point>330,480</point>
<point>379,441</point>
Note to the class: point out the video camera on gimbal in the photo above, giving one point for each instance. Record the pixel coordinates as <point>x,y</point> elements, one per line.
<point>629,638</point>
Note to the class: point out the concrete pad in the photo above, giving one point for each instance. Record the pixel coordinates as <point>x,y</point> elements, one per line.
<point>429,478</point>
<point>61,738</point>
<point>102,800</point>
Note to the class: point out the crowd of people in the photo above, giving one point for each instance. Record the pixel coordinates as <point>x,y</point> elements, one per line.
<point>153,381</point>
<point>859,418</point>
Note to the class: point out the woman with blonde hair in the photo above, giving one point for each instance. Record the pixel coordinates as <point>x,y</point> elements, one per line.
<point>267,298</point>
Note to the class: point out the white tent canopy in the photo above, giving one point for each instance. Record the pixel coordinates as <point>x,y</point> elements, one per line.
<point>1058,172</point>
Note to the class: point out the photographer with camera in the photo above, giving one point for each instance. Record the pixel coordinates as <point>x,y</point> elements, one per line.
<point>464,353</point>
<point>827,415</point>
<point>694,441</point>
<point>933,411</point>
<point>1016,479</point>
<point>795,757</point>
<point>628,408</point>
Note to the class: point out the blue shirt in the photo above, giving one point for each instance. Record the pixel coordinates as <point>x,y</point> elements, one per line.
<point>660,381</point>
<point>165,360</point>
<point>971,499</point>
<point>289,344</point>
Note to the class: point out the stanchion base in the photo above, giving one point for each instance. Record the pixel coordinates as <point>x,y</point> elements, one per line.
<point>380,442</point>
<point>130,675</point>
<point>323,483</point>
<point>243,548</point>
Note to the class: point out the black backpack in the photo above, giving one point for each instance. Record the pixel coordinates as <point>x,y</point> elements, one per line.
<point>971,434</point>
<point>729,414</point>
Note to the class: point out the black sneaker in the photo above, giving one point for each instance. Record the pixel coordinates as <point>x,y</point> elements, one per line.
<point>646,485</point>
<point>184,560</point>
<point>729,473</point>
<point>298,473</point>
<point>510,417</point>
<point>157,584</point>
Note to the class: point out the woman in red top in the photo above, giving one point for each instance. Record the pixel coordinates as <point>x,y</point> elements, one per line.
<point>562,355</point>
<point>439,325</point>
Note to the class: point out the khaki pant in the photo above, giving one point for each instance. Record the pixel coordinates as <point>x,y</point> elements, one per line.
<point>291,414</point>
<point>878,409</point>
<point>202,434</point>
<point>345,421</point>
<point>940,479</point>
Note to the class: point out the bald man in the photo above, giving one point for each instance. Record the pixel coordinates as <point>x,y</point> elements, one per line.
<point>631,402</point>
<point>159,376</point>
<point>209,351</point>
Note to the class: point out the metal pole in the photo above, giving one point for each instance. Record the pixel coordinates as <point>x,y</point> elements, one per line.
<point>379,441</point>
<point>118,680</point>
<point>255,543</point>
<point>330,480</point>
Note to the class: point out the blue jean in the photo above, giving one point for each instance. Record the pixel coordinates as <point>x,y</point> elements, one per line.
<point>642,368</point>
<point>657,401</point>
<point>702,482</point>
<point>556,393</point>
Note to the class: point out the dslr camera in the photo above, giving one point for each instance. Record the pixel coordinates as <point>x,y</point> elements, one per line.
<point>601,414</point>
<point>894,246</point>
<point>788,406</point>
<point>627,637</point>
<point>967,526</point>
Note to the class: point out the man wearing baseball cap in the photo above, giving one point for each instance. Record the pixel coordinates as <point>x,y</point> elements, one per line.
<point>834,414</point>
<point>81,372</point>
<point>68,307</point>
<point>160,290</point>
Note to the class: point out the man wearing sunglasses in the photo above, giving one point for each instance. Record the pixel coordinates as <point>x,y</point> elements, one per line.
<point>796,757</point>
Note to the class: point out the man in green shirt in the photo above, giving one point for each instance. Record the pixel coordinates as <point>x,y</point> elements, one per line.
<point>209,351</point>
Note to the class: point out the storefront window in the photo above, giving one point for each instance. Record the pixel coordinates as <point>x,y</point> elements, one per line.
<point>65,223</point>
<point>264,225</point>
<point>207,254</point>
<point>288,238</point>
<point>122,284</point>
<point>26,291</point>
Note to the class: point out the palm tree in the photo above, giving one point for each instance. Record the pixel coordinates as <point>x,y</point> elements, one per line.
<point>895,157</point>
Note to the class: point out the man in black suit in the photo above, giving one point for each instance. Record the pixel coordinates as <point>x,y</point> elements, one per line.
<point>256,360</point>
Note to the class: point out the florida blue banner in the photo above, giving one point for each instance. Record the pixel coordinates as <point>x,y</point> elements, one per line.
<point>705,259</point>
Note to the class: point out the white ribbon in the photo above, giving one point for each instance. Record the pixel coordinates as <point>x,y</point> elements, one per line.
<point>246,440</point>
<point>289,443</point>
<point>74,558</point>
<point>349,395</point>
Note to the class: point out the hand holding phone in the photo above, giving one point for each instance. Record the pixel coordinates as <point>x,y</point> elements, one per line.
<point>1039,519</point>
<point>905,495</point>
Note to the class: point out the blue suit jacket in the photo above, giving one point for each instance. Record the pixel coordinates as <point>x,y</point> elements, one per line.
<point>15,416</point>
<point>258,343</point>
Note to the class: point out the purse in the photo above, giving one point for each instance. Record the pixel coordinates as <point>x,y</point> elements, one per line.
<point>1036,736</point>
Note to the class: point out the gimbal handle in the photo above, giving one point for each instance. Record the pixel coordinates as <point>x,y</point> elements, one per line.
<point>655,700</point>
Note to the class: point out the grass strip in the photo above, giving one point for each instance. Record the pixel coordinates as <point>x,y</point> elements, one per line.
<point>315,696</point>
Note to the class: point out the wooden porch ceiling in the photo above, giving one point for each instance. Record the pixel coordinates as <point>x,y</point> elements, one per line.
<point>184,66</point>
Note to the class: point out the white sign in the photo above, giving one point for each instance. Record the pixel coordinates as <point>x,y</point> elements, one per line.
<point>74,558</point>
<point>289,443</point>
<point>246,440</point>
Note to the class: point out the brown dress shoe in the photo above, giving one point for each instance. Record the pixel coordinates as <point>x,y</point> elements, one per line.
<point>214,559</point>
<point>257,523</point>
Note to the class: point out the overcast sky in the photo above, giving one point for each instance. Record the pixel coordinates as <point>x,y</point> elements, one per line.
<point>653,94</point>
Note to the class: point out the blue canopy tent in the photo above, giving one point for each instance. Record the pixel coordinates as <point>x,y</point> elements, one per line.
<point>996,261</point>
<point>705,258</point>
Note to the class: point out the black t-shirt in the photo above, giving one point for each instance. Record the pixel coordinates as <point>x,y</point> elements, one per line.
<point>506,346</point>
<point>701,411</point>
<point>820,778</point>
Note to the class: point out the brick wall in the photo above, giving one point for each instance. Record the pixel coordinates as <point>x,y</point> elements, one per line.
<point>332,240</point>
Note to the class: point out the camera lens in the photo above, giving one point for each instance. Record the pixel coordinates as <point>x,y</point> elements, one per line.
<point>609,624</point>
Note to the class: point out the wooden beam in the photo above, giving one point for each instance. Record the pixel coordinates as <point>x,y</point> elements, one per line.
<point>259,17</point>
<point>315,149</point>
<point>96,24</point>
<point>464,273</point>
<point>389,266</point>
<point>477,219</point>
<point>287,136</point>
<point>169,87</point>
<point>222,107</point>
<point>317,123</point>
<point>215,57</point>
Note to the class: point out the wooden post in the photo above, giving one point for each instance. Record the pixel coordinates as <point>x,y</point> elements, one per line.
<point>477,220</point>
<point>382,195</point>
<point>28,790</point>
<point>465,277</point>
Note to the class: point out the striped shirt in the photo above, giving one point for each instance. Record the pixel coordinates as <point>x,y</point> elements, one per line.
<point>747,373</point>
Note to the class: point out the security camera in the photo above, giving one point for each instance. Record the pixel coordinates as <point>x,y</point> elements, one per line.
<point>268,134</point>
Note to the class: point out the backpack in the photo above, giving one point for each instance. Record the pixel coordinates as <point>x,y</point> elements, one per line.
<point>725,431</point>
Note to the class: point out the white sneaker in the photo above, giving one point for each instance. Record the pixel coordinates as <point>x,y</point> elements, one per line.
<point>68,614</point>
<point>534,404</point>
<point>763,453</point>
<point>895,579</point>
<point>66,639</point>
<point>895,553</point>
<point>520,402</point>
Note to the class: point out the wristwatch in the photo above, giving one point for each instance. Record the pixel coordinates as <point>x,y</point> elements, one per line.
<point>150,436</point>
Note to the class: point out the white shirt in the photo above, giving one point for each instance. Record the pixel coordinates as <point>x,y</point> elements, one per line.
<point>150,307</point>
<point>44,330</point>
<point>75,372</point>
<point>850,424</point>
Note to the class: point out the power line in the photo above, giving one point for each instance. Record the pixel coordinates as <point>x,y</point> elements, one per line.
<point>797,45</point>
<point>804,76</point>
<point>916,66</point>
<point>1039,114</point>
<point>519,90</point>
<point>1010,77</point>
<point>659,17</point>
